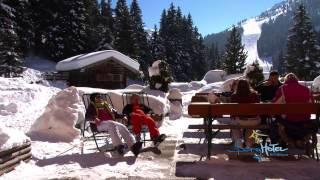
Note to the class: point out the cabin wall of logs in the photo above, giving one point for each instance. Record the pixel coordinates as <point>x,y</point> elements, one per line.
<point>11,158</point>
<point>105,75</point>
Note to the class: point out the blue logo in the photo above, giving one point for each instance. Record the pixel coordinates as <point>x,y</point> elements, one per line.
<point>264,149</point>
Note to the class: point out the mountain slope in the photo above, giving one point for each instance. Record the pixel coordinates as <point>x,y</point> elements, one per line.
<point>269,31</point>
<point>275,32</point>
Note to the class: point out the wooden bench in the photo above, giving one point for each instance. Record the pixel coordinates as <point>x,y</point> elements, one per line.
<point>211,111</point>
<point>199,99</point>
<point>11,158</point>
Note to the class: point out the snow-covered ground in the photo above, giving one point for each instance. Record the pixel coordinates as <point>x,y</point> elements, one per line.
<point>43,111</point>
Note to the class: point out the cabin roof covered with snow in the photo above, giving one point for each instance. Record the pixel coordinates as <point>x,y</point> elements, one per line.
<point>83,60</point>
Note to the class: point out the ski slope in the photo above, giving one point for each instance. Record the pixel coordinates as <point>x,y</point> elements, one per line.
<point>251,35</point>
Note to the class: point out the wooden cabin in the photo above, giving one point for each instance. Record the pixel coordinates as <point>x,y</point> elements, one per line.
<point>107,69</point>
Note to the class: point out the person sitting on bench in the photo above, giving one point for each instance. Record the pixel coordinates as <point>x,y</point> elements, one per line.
<point>138,115</point>
<point>100,112</point>
<point>244,94</point>
<point>269,87</point>
<point>293,128</point>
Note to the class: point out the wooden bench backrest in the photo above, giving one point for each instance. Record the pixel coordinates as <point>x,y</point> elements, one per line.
<point>209,110</point>
<point>195,99</point>
<point>201,94</point>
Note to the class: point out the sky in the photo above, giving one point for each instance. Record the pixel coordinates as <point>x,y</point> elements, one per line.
<point>210,16</point>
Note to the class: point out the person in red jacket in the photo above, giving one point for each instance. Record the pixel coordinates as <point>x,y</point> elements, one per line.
<point>244,94</point>
<point>293,128</point>
<point>138,115</point>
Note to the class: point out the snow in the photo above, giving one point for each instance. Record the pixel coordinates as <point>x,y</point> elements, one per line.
<point>211,87</point>
<point>83,60</point>
<point>20,100</point>
<point>135,87</point>
<point>154,69</point>
<point>222,86</point>
<point>58,121</point>
<point>10,138</point>
<point>214,76</point>
<point>175,106</point>
<point>52,111</point>
<point>174,94</point>
<point>175,110</point>
<point>185,86</point>
<point>251,35</point>
<point>316,84</point>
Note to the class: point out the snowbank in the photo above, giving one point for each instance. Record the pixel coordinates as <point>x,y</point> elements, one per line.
<point>215,76</point>
<point>174,94</point>
<point>10,138</point>
<point>316,84</point>
<point>135,86</point>
<point>21,103</point>
<point>185,87</point>
<point>211,87</point>
<point>58,121</point>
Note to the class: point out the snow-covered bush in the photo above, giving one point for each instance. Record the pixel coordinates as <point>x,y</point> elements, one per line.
<point>160,76</point>
<point>59,118</point>
<point>254,74</point>
<point>215,76</point>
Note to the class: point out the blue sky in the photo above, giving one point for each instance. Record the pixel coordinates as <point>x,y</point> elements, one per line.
<point>210,16</point>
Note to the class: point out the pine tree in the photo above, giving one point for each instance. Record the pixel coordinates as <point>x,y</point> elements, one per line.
<point>67,34</point>
<point>10,56</point>
<point>183,45</point>
<point>142,48</point>
<point>198,57</point>
<point>235,55</point>
<point>303,57</point>
<point>108,26</point>
<point>213,57</point>
<point>158,51</point>
<point>23,19</point>
<point>217,56</point>
<point>123,29</point>
<point>43,15</point>
<point>94,28</point>
<point>281,64</point>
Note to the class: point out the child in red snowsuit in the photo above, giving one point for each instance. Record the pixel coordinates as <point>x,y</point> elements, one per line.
<point>138,115</point>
